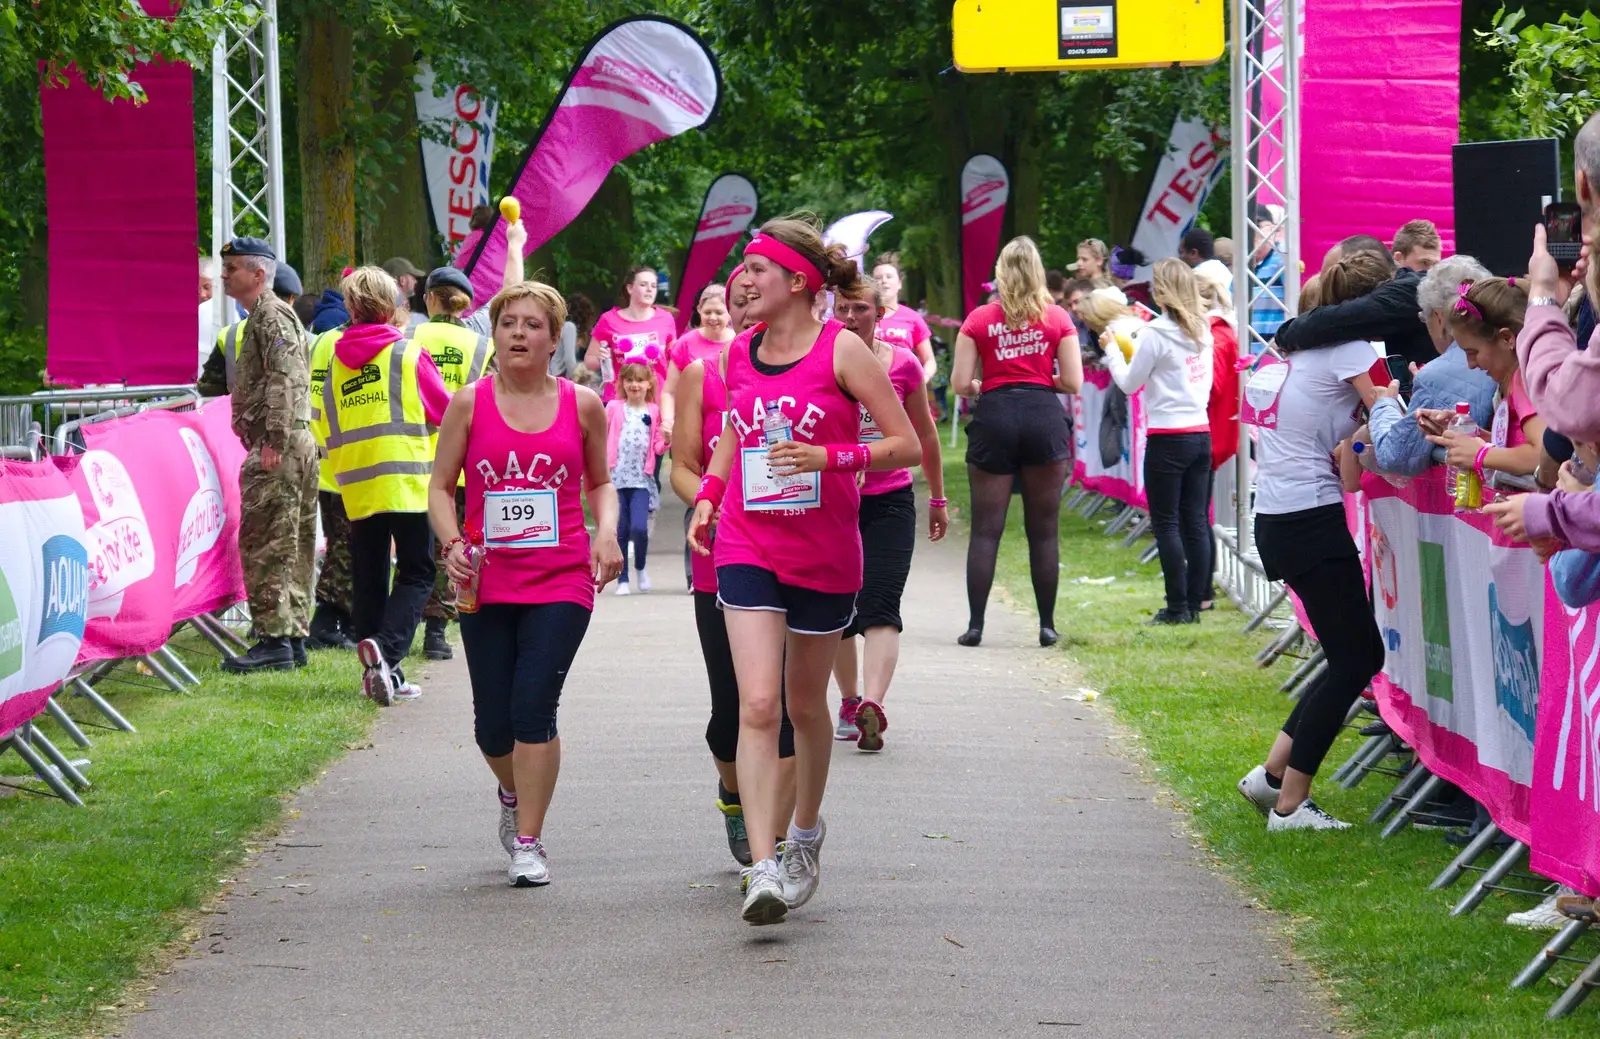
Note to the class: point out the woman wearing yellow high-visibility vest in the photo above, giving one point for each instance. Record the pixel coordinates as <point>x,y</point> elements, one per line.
<point>381,400</point>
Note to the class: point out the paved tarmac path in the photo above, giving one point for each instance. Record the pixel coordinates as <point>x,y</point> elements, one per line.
<point>1002,869</point>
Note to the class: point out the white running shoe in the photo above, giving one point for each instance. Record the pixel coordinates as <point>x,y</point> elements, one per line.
<point>377,683</point>
<point>530,866</point>
<point>802,866</point>
<point>508,828</point>
<point>644,581</point>
<point>763,895</point>
<point>622,588</point>
<point>1255,789</point>
<point>1307,817</point>
<point>1544,916</point>
<point>400,689</point>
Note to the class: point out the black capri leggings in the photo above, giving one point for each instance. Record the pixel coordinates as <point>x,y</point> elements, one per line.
<point>722,732</point>
<point>1315,555</point>
<point>888,538</point>
<point>517,657</point>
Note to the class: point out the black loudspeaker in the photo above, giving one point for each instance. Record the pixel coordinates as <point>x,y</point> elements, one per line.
<point>1501,188</point>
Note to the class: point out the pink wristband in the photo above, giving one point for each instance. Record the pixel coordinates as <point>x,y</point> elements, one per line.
<point>848,458</point>
<point>938,503</point>
<point>1477,464</point>
<point>712,488</point>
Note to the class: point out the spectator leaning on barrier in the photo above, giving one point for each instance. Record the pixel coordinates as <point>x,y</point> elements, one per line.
<point>278,479</point>
<point>1399,438</point>
<point>381,400</point>
<point>1417,245</point>
<point>1389,314</point>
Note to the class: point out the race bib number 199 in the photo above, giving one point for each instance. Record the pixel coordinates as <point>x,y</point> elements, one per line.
<point>520,519</point>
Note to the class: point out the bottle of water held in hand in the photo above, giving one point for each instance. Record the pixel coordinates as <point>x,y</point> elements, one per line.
<point>1468,488</point>
<point>477,554</point>
<point>775,429</point>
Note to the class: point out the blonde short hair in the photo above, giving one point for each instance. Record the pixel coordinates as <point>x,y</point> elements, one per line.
<point>369,295</point>
<point>1103,306</point>
<point>546,296</point>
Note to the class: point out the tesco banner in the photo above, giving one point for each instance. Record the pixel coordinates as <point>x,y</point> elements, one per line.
<point>1193,163</point>
<point>642,80</point>
<point>44,587</point>
<point>729,208</point>
<point>456,170</point>
<point>985,188</point>
<point>1108,429</point>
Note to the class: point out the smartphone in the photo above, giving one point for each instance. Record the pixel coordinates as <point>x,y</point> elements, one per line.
<point>1400,372</point>
<point>1563,232</point>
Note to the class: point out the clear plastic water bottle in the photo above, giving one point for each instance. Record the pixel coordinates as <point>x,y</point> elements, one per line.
<point>775,429</point>
<point>1468,488</point>
<point>477,554</point>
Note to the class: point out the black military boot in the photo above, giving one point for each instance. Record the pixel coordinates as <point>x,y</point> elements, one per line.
<point>434,644</point>
<point>271,653</point>
<point>298,648</point>
<point>324,632</point>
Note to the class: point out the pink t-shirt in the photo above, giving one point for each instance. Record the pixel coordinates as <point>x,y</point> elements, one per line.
<point>1511,413</point>
<point>1013,356</point>
<point>635,342</point>
<point>904,327</point>
<point>816,547</point>
<point>500,458</point>
<point>907,375</point>
<point>713,398</point>
<point>691,347</point>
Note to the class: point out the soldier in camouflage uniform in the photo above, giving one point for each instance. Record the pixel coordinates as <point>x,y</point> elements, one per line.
<point>278,480</point>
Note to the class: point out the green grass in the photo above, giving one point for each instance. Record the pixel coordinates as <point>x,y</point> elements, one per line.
<point>90,898</point>
<point>1354,906</point>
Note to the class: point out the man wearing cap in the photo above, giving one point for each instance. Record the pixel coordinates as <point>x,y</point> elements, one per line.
<point>407,275</point>
<point>278,480</point>
<point>216,378</point>
<point>462,357</point>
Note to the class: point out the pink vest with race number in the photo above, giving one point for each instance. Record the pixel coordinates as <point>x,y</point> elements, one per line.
<point>906,374</point>
<point>818,547</point>
<point>713,398</point>
<point>500,458</point>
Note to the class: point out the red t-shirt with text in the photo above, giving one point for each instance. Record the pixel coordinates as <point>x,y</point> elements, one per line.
<point>1012,356</point>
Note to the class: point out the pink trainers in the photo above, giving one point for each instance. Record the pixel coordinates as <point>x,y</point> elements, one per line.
<point>846,729</point>
<point>870,722</point>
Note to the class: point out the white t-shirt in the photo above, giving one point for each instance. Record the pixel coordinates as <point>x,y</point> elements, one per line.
<point>1317,409</point>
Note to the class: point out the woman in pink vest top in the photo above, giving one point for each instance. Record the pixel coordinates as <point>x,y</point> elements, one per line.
<point>788,551</point>
<point>530,444</point>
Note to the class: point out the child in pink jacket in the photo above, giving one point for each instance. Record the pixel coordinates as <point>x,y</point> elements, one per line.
<point>633,446</point>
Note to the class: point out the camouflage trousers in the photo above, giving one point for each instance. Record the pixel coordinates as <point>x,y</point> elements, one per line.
<point>278,536</point>
<point>333,584</point>
<point>442,600</point>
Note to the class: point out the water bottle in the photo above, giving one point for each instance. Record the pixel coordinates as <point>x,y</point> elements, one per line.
<point>775,429</point>
<point>1468,488</point>
<point>477,555</point>
<point>607,366</point>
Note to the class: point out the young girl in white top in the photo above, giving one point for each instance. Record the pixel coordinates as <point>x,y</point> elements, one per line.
<point>1171,362</point>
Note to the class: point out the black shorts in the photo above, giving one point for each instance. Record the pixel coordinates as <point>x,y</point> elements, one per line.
<point>888,536</point>
<point>1294,542</point>
<point>741,586</point>
<point>1017,426</point>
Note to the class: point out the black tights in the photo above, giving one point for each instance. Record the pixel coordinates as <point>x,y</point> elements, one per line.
<point>1041,518</point>
<point>1334,595</point>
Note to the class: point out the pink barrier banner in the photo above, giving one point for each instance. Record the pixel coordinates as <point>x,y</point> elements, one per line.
<point>1462,612</point>
<point>1108,432</point>
<point>43,587</point>
<point>1379,110</point>
<point>642,80</point>
<point>159,494</point>
<point>729,207</point>
<point>985,187</point>
<point>119,181</point>
<point>1566,755</point>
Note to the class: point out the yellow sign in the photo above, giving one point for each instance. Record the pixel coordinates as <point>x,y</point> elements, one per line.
<point>1058,35</point>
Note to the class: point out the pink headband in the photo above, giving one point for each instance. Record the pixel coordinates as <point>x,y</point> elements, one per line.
<point>728,289</point>
<point>1465,305</point>
<point>784,256</point>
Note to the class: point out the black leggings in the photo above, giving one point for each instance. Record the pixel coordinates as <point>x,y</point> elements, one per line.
<point>722,731</point>
<point>518,655</point>
<point>1041,519</point>
<point>1177,485</point>
<point>1334,595</point>
<point>390,614</point>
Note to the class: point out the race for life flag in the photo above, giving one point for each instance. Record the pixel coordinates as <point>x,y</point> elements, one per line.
<point>455,172</point>
<point>985,186</point>
<point>642,80</point>
<point>1195,158</point>
<point>1109,438</point>
<point>729,207</point>
<point>853,231</point>
<point>1566,755</point>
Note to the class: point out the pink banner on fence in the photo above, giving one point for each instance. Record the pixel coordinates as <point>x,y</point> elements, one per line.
<point>1108,444</point>
<point>1379,112</point>
<point>985,186</point>
<point>120,194</point>
<point>208,575</point>
<point>729,207</point>
<point>1566,754</point>
<point>642,80</point>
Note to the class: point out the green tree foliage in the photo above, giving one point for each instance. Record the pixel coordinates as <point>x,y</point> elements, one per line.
<point>1553,68</point>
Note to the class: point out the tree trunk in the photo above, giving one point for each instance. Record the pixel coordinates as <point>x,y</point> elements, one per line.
<point>327,156</point>
<point>395,220</point>
<point>34,282</point>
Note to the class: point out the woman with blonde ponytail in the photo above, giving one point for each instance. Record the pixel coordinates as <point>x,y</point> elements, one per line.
<point>1171,362</point>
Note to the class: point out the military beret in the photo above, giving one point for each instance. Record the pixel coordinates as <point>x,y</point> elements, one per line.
<point>245,245</point>
<point>286,282</point>
<point>451,277</point>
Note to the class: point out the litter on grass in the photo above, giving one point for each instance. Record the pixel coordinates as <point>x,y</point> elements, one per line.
<point>1083,695</point>
<point>1094,580</point>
